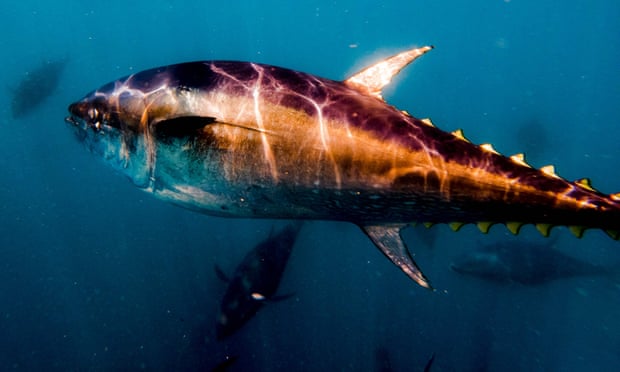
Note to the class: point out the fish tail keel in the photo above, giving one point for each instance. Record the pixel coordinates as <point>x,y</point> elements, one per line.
<point>559,202</point>
<point>477,185</point>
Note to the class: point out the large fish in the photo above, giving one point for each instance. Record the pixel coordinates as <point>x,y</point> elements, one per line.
<point>245,139</point>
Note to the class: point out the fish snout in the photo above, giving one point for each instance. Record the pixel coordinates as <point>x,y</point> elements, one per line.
<point>71,120</point>
<point>86,115</point>
<point>79,110</point>
<point>77,113</point>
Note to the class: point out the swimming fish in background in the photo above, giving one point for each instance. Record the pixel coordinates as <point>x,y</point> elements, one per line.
<point>255,280</point>
<point>36,86</point>
<point>243,139</point>
<point>226,364</point>
<point>527,263</point>
<point>383,362</point>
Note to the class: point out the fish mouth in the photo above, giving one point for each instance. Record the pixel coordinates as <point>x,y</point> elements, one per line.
<point>74,117</point>
<point>78,126</point>
<point>71,120</point>
<point>79,130</point>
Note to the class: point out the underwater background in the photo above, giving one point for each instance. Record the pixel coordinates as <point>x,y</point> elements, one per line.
<point>97,275</point>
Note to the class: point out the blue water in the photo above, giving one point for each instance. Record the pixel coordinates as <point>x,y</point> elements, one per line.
<point>96,275</point>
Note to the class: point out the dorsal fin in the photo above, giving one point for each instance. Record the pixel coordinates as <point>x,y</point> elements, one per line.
<point>373,79</point>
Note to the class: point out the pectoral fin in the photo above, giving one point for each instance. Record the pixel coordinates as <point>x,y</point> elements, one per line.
<point>188,126</point>
<point>220,274</point>
<point>387,239</point>
<point>183,126</point>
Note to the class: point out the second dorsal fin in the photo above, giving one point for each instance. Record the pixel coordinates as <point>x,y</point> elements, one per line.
<point>373,79</point>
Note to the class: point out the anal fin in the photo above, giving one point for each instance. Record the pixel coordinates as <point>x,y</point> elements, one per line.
<point>387,238</point>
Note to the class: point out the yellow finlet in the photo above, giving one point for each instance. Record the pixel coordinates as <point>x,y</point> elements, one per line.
<point>428,122</point>
<point>514,227</point>
<point>460,135</point>
<point>373,79</point>
<point>519,159</point>
<point>484,226</point>
<point>489,148</point>
<point>549,170</point>
<point>577,230</point>
<point>456,226</point>
<point>428,225</point>
<point>544,229</point>
<point>585,183</point>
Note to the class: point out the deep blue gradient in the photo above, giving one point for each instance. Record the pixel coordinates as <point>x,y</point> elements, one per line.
<point>96,275</point>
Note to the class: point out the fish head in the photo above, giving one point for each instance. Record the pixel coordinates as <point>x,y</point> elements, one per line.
<point>113,122</point>
<point>107,110</point>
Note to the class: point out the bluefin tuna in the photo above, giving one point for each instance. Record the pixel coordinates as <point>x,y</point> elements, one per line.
<point>255,280</point>
<point>242,139</point>
<point>527,263</point>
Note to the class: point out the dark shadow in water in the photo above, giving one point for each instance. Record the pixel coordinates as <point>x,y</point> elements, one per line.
<point>382,360</point>
<point>525,262</point>
<point>256,280</point>
<point>36,86</point>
